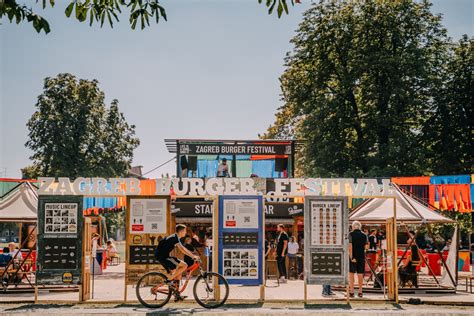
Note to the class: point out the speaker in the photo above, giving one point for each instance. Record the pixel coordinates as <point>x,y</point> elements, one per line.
<point>192,163</point>
<point>281,164</point>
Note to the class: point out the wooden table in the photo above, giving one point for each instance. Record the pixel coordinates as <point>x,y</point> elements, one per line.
<point>468,278</point>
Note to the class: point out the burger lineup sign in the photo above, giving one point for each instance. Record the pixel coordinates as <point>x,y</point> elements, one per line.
<point>216,186</point>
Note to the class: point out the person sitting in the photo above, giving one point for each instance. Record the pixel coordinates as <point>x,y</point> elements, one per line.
<point>407,271</point>
<point>5,257</point>
<point>111,250</point>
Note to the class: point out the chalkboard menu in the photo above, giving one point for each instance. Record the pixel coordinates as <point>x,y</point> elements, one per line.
<point>142,255</point>
<point>326,263</point>
<point>60,224</point>
<point>60,254</point>
<point>238,238</point>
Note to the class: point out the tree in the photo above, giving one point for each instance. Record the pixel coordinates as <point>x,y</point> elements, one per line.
<point>73,133</point>
<point>358,86</point>
<point>100,11</point>
<point>450,128</point>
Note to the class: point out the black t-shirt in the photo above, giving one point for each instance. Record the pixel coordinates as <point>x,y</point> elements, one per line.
<point>166,245</point>
<point>281,242</point>
<point>373,242</point>
<point>415,256</point>
<point>358,240</point>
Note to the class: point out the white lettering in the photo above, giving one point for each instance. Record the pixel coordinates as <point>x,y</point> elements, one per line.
<point>45,186</point>
<point>280,185</point>
<point>231,186</point>
<point>214,186</point>
<point>163,186</point>
<point>196,186</point>
<point>64,187</point>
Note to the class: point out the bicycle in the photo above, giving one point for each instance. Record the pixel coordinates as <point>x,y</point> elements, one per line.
<point>154,290</point>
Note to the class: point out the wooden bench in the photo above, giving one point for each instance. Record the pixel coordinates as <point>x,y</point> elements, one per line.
<point>468,278</point>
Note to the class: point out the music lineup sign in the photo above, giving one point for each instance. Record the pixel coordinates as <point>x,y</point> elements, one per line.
<point>326,243</point>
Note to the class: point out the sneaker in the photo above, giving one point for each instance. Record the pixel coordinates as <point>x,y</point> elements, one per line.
<point>326,295</point>
<point>282,280</point>
<point>178,298</point>
<point>332,293</point>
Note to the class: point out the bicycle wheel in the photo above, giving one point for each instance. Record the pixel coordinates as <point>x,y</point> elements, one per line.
<point>152,290</point>
<point>211,291</point>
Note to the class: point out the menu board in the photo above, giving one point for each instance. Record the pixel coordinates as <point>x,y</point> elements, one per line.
<point>240,254</point>
<point>60,254</point>
<point>326,263</point>
<point>239,238</point>
<point>241,263</point>
<point>325,238</point>
<point>59,259</point>
<point>148,216</point>
<point>240,213</point>
<point>142,255</point>
<point>326,226</point>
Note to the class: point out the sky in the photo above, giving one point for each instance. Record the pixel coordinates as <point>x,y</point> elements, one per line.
<point>211,71</point>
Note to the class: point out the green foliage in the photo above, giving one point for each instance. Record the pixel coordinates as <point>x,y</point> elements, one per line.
<point>73,133</point>
<point>359,89</point>
<point>464,220</point>
<point>115,221</point>
<point>450,129</point>
<point>100,11</point>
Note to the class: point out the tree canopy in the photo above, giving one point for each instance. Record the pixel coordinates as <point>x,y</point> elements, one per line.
<point>106,11</point>
<point>371,86</point>
<point>73,133</point>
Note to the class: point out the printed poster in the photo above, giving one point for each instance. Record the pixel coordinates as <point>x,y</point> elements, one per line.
<point>240,263</point>
<point>148,216</point>
<point>326,223</point>
<point>242,213</point>
<point>60,218</point>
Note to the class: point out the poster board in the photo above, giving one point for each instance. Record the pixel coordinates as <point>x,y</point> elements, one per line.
<point>240,247</point>
<point>326,242</point>
<point>147,221</point>
<point>60,224</point>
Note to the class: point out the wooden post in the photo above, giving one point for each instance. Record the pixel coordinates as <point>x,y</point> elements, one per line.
<point>262,231</point>
<point>215,250</point>
<point>394,253</point>
<point>127,254</point>
<point>36,294</point>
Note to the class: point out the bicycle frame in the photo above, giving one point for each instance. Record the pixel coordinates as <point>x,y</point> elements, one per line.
<point>189,272</point>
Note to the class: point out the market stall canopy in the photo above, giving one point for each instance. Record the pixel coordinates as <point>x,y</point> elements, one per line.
<point>20,204</point>
<point>408,209</point>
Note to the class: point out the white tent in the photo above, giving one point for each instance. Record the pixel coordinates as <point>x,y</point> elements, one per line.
<point>20,205</point>
<point>408,210</point>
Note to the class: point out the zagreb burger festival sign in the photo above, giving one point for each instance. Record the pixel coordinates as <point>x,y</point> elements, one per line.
<point>215,186</point>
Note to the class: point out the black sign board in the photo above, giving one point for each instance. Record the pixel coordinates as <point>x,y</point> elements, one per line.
<point>238,238</point>
<point>60,224</point>
<point>142,255</point>
<point>234,149</point>
<point>327,263</point>
<point>205,209</point>
<point>60,254</point>
<point>192,209</point>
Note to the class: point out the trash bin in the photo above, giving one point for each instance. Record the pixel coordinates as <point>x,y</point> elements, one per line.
<point>434,261</point>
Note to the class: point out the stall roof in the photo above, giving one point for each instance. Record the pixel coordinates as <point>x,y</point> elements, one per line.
<point>20,204</point>
<point>409,210</point>
<point>171,143</point>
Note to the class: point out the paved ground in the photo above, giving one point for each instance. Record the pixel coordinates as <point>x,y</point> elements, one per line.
<point>379,309</point>
<point>109,287</point>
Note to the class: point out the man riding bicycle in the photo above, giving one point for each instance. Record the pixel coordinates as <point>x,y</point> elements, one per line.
<point>173,265</point>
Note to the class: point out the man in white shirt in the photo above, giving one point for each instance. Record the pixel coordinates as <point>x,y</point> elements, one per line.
<point>223,169</point>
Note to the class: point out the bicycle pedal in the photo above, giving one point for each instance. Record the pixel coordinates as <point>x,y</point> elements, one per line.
<point>179,298</point>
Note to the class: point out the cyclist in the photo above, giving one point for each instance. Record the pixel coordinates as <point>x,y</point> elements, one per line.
<point>173,265</point>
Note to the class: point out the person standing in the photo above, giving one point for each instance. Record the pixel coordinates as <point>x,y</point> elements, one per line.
<point>282,249</point>
<point>223,169</point>
<point>357,245</point>
<point>373,240</point>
